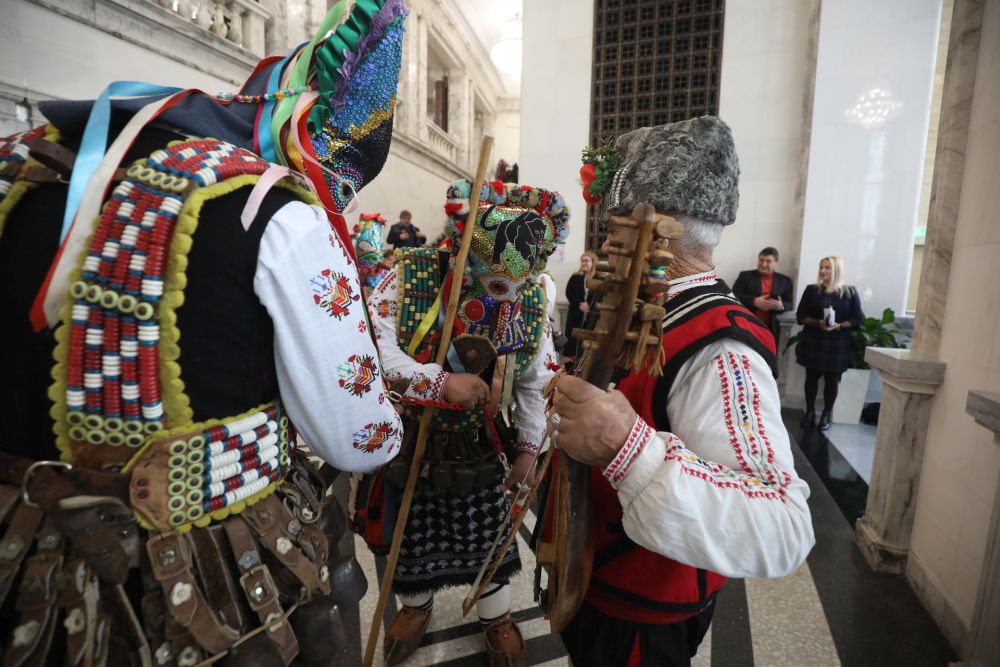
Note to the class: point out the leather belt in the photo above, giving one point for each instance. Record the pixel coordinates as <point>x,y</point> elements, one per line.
<point>78,596</point>
<point>171,560</point>
<point>15,543</point>
<point>278,531</point>
<point>83,527</point>
<point>36,602</point>
<point>259,588</point>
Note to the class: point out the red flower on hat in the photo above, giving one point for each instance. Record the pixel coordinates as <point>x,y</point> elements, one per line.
<point>587,175</point>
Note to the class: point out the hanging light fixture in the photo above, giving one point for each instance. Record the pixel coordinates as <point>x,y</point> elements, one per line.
<point>506,51</point>
<point>874,109</point>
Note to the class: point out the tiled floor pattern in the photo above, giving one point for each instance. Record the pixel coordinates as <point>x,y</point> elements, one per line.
<point>832,611</point>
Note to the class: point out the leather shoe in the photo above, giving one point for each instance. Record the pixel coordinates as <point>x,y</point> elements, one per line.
<point>809,420</point>
<point>504,643</point>
<point>824,421</point>
<point>405,633</point>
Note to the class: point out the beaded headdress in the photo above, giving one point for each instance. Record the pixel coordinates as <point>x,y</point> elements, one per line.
<point>328,109</point>
<point>517,228</point>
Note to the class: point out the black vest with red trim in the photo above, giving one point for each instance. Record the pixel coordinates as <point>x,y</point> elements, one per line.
<point>631,582</point>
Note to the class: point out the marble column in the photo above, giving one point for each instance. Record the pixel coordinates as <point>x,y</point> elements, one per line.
<point>949,170</point>
<point>911,376</point>
<point>883,533</point>
<point>985,408</point>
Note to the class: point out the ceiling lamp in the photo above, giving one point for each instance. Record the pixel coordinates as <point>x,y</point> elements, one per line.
<point>506,51</point>
<point>874,109</point>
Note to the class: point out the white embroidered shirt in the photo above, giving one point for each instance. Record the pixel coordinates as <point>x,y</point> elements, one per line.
<point>720,492</point>
<point>328,368</point>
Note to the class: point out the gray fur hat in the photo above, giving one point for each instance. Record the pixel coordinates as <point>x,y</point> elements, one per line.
<point>687,167</point>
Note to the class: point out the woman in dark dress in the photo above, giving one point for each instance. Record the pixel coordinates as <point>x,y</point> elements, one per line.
<point>576,295</point>
<point>827,311</point>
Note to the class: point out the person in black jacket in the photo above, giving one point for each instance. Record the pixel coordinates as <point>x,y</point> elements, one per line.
<point>576,295</point>
<point>404,234</point>
<point>827,311</point>
<point>764,291</point>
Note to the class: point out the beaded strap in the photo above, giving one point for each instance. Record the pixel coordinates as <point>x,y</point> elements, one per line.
<point>209,472</point>
<point>113,383</point>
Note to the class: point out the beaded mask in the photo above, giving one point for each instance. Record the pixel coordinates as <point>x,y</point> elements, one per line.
<point>517,228</point>
<point>328,106</point>
<point>352,127</point>
<point>368,246</point>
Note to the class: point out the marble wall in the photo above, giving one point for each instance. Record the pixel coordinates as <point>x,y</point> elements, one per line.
<point>874,77</point>
<point>557,68</point>
<point>765,97</point>
<point>961,462</point>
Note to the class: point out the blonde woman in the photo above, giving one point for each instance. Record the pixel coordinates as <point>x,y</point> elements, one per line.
<point>828,311</point>
<point>576,295</point>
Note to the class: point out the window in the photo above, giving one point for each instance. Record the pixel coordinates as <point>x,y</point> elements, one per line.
<point>655,61</point>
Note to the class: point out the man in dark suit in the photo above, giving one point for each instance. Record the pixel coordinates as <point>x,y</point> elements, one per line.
<point>765,292</point>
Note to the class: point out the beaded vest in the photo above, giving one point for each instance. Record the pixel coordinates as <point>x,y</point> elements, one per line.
<point>119,398</point>
<point>419,286</point>
<point>13,158</point>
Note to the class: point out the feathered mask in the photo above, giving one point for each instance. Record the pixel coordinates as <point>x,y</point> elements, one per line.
<point>330,103</point>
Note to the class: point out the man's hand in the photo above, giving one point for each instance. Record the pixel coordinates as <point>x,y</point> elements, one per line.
<point>466,389</point>
<point>403,235</point>
<point>593,424</point>
<point>765,302</point>
<point>584,307</point>
<point>524,463</point>
<point>421,237</point>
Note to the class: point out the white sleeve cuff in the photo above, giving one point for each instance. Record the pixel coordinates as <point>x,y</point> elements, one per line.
<point>637,462</point>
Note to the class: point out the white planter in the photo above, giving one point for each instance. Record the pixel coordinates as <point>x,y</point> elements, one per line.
<point>851,397</point>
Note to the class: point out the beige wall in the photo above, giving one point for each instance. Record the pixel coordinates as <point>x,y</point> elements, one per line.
<point>764,77</point>
<point>555,99</point>
<point>961,463</point>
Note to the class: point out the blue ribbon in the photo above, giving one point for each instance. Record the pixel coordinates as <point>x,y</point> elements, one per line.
<point>94,144</point>
<point>265,140</point>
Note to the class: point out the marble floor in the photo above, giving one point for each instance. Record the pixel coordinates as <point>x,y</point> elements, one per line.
<point>833,611</point>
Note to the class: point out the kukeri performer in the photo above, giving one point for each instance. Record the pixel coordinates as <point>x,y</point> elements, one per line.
<point>692,477</point>
<point>156,505</point>
<point>372,264</point>
<point>459,505</point>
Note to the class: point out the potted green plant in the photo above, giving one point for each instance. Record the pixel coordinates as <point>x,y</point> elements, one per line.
<point>873,332</point>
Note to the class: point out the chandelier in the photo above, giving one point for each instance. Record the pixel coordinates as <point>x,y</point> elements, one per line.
<point>874,109</point>
<point>506,51</point>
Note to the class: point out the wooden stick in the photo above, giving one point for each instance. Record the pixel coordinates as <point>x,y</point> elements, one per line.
<point>493,561</point>
<point>428,414</point>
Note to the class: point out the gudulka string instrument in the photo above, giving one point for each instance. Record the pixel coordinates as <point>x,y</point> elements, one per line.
<point>626,335</point>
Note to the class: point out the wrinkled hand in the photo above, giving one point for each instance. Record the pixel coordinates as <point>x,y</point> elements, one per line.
<point>524,465</point>
<point>593,424</point>
<point>466,389</point>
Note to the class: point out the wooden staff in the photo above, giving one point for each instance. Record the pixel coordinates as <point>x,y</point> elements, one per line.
<point>428,414</point>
